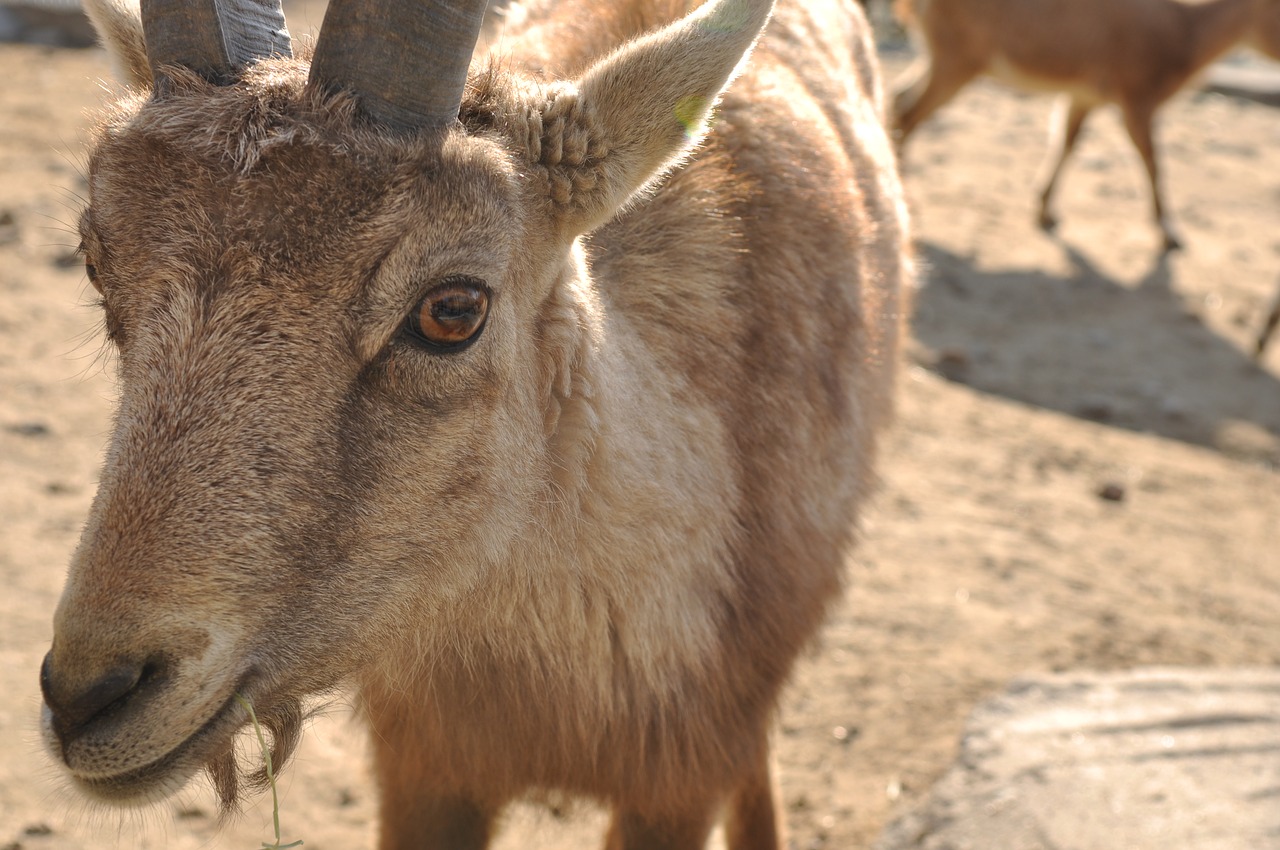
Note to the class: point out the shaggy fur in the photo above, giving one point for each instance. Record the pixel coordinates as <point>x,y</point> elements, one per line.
<point>1133,53</point>
<point>577,557</point>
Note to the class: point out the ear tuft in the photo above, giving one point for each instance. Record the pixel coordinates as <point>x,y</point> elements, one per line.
<point>637,112</point>
<point>569,146</point>
<point>119,26</point>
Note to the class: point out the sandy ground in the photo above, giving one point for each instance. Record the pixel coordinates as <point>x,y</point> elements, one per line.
<point>1043,371</point>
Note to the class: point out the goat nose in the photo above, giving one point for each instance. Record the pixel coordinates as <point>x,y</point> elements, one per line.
<point>73,705</point>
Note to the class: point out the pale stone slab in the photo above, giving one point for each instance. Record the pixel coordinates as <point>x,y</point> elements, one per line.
<point>1254,82</point>
<point>54,23</point>
<point>1147,760</point>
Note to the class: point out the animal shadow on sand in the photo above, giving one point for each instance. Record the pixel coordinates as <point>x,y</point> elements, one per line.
<point>1131,356</point>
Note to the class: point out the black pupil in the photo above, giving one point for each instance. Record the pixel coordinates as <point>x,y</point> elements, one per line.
<point>455,308</point>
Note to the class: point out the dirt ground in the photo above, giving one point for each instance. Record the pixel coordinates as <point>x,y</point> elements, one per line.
<point>1044,371</point>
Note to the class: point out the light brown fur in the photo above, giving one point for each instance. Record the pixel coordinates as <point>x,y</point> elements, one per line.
<point>1133,53</point>
<point>579,557</point>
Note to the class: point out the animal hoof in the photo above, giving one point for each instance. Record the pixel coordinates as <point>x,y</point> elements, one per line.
<point>1171,240</point>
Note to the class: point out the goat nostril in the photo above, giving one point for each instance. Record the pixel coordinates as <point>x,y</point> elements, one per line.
<point>74,705</point>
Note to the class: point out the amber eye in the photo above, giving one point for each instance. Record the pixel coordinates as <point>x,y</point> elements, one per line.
<point>451,315</point>
<point>90,269</point>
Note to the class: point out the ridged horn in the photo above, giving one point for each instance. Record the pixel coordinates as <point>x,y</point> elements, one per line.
<point>405,60</point>
<point>214,38</point>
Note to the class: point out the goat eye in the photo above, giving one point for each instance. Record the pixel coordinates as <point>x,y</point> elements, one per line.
<point>451,315</point>
<point>90,269</point>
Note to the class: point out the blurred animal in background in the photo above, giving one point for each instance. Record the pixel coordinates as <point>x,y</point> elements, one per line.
<point>1135,54</point>
<point>518,394</point>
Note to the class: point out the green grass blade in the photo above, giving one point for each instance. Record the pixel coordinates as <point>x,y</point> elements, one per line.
<point>271,779</point>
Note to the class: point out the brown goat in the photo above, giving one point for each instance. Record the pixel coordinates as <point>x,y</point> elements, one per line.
<point>529,401</point>
<point>1133,53</point>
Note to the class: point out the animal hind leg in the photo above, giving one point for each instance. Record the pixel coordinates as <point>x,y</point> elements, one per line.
<point>1137,120</point>
<point>930,84</point>
<point>1067,128</point>
<point>1268,328</point>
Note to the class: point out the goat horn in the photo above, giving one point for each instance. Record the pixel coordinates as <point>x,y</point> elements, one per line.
<point>214,38</point>
<point>406,61</point>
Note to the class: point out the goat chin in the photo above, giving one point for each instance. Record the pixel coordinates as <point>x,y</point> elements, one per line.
<point>282,726</point>
<point>211,748</point>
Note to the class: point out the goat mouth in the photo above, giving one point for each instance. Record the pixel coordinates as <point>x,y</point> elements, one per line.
<point>166,775</point>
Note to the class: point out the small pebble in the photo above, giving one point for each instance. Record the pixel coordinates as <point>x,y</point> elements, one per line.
<point>8,228</point>
<point>1112,492</point>
<point>1172,407</point>
<point>28,429</point>
<point>953,364</point>
<point>1096,409</point>
<point>845,734</point>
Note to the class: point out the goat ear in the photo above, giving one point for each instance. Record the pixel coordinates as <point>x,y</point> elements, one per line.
<point>635,113</point>
<point>119,26</point>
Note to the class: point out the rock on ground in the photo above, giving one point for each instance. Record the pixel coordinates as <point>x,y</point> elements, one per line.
<point>1157,758</point>
<point>1254,82</point>
<point>53,23</point>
